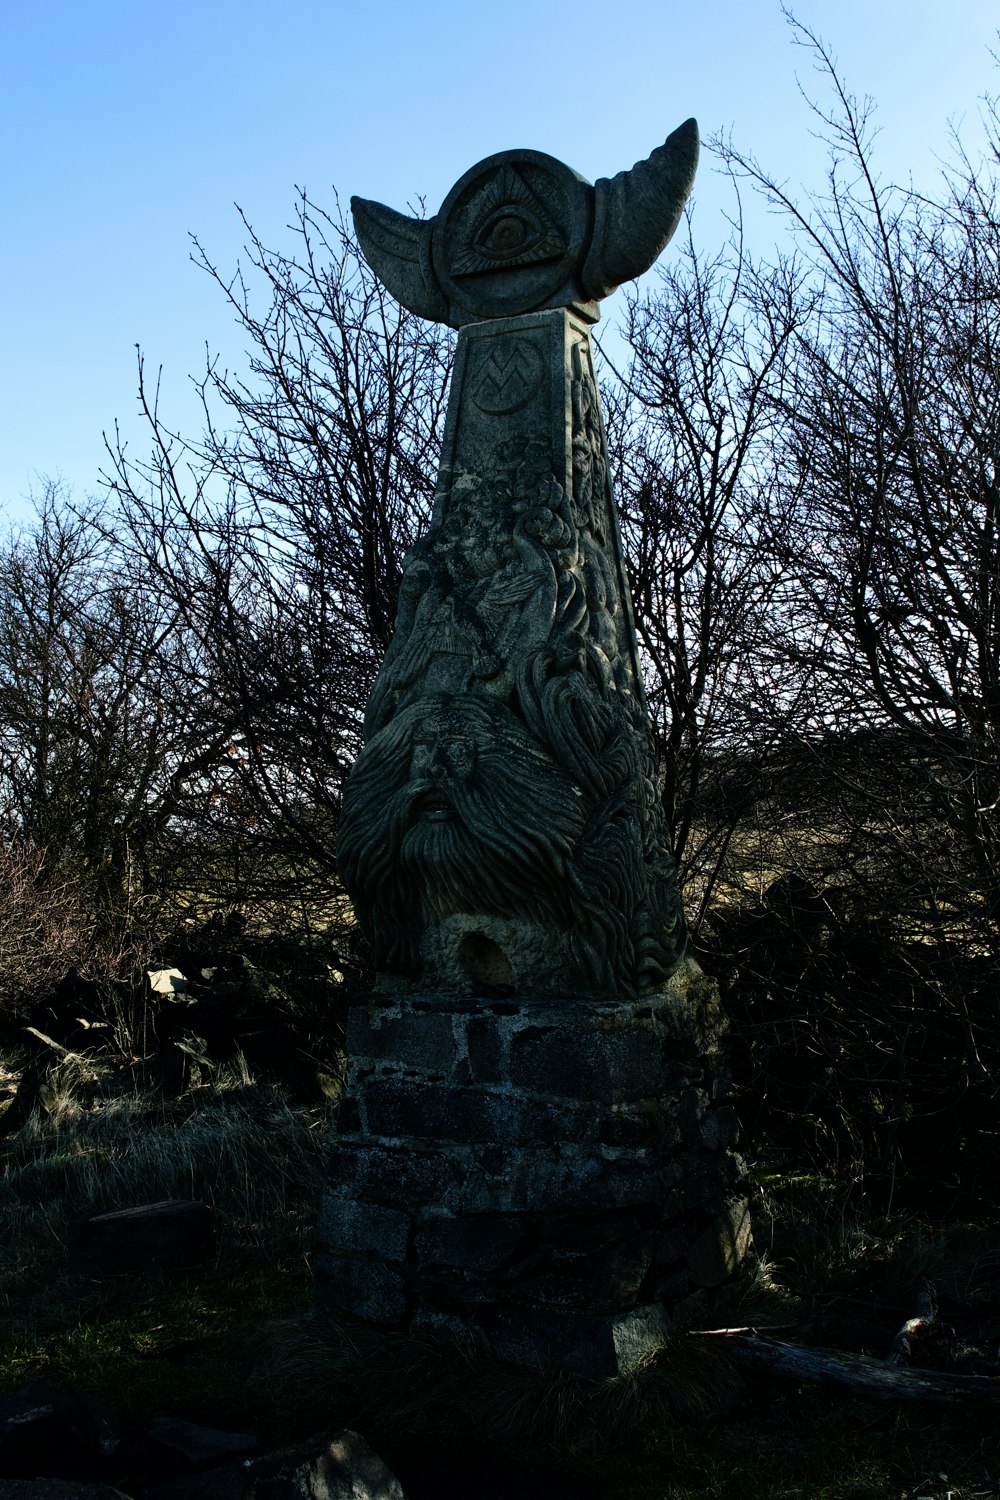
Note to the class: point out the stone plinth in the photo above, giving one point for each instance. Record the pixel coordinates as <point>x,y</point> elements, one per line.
<point>552,1175</point>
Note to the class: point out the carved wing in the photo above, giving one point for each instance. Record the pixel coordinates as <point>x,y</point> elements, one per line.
<point>636,212</point>
<point>398,250</point>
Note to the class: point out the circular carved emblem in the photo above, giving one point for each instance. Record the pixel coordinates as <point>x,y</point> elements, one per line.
<point>510,233</point>
<point>508,373</point>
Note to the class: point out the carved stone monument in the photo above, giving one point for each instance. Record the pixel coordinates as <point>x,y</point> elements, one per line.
<point>533,1144</point>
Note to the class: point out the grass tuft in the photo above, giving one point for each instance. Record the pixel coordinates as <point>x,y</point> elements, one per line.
<point>435,1391</point>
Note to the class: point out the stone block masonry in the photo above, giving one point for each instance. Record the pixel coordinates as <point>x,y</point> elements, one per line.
<point>555,1176</point>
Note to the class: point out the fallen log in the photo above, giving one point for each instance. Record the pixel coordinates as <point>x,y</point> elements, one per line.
<point>177,1232</point>
<point>860,1373</point>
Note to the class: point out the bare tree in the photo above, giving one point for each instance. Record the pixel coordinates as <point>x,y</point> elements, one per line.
<point>882,961</point>
<point>890,436</point>
<point>100,750</point>
<point>279,534</point>
<point>705,526</point>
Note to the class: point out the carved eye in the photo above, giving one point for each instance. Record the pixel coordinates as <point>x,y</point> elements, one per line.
<point>504,224</point>
<point>508,231</point>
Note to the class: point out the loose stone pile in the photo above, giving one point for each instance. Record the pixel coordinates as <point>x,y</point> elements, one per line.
<point>552,1174</point>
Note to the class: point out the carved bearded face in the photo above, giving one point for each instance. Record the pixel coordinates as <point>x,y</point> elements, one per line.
<point>454,807</point>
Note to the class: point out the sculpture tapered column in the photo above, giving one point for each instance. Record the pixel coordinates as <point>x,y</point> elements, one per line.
<point>502,821</point>
<point>503,840</point>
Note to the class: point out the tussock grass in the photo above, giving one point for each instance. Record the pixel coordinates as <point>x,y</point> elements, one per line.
<point>256,1159</point>
<point>248,1153</point>
<point>436,1393</point>
<point>820,1239</point>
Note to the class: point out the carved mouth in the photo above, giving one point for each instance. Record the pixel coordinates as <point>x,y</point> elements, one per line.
<point>434,807</point>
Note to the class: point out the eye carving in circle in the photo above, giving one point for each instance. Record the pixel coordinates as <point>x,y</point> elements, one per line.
<point>507,232</point>
<point>503,224</point>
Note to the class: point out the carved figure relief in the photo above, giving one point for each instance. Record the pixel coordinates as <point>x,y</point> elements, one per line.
<point>506,792</point>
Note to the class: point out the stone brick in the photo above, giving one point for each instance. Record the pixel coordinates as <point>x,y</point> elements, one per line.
<point>408,1040</point>
<point>588,1231</point>
<point>605,1277</point>
<point>368,1289</point>
<point>671,1242</point>
<point>485,1242</point>
<point>690,1110</point>
<point>671,1286</point>
<point>650,1125</point>
<point>458,1288</point>
<point>718,1250</point>
<point>349,1116</point>
<point>402,1107</point>
<point>591,1346</point>
<point>485,1041</point>
<point>721,1086</point>
<point>351,1227</point>
<point>607,1066</point>
<point>662,1127</point>
<point>688,1310</point>
<point>698,1192</point>
<point>548,1180</point>
<point>718,1128</point>
<point>392,1174</point>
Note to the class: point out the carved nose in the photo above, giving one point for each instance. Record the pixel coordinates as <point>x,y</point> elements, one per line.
<point>437,766</point>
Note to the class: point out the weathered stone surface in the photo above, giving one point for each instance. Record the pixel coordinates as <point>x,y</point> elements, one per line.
<point>589,1231</point>
<point>371,1290</point>
<point>594,1346</point>
<point>611,1280</point>
<point>548,1178</point>
<point>718,1128</point>
<point>609,1067</point>
<point>521,231</point>
<point>532,1134</point>
<point>349,1114</point>
<point>427,1111</point>
<point>503,1192</point>
<point>350,1226</point>
<point>348,1469</point>
<point>718,1250</point>
<point>169,982</point>
<point>472,1241</point>
<point>648,1125</point>
<point>486,1044</point>
<point>341,1468</point>
<point>196,1443</point>
<point>424,1040</point>
<point>500,829</point>
<point>392,1174</point>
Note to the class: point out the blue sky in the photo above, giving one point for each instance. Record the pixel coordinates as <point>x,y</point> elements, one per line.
<point>126,125</point>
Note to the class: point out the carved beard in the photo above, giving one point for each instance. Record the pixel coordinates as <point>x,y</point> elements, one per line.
<point>513,827</point>
<point>488,855</point>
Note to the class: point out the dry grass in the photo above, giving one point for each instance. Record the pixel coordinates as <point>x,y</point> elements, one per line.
<point>234,1343</point>
<point>442,1393</point>
<point>253,1157</point>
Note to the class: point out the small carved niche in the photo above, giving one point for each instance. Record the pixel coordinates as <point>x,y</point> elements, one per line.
<point>484,962</point>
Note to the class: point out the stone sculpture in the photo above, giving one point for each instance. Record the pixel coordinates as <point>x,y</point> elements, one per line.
<point>533,1145</point>
<point>503,816</point>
